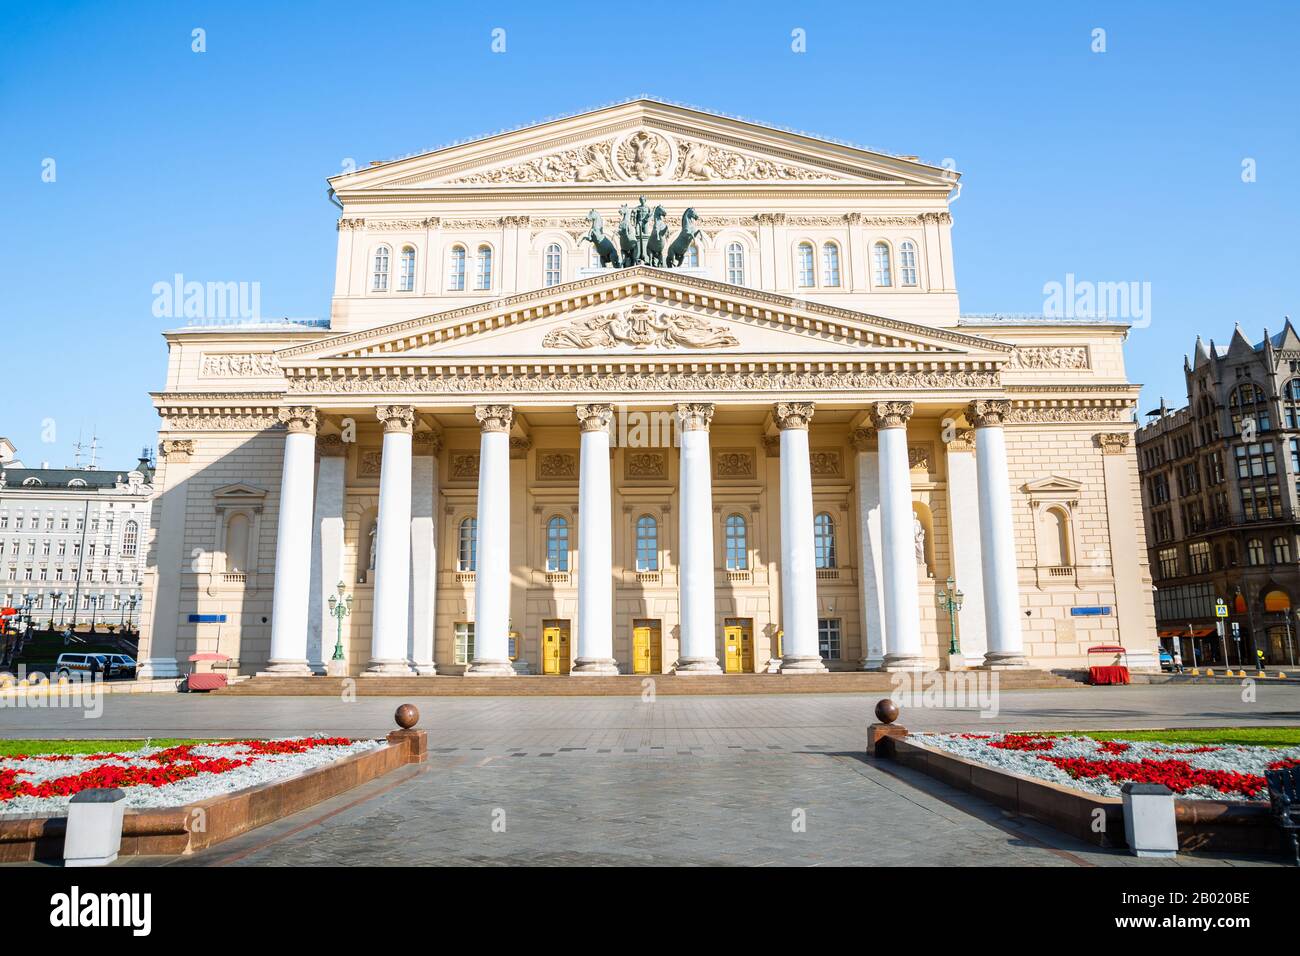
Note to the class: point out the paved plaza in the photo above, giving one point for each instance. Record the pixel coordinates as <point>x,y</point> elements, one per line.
<point>680,780</point>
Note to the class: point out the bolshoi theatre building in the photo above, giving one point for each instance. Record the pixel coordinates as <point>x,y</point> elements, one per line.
<point>645,390</point>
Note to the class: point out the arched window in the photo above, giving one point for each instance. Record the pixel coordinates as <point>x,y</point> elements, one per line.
<point>647,543</point>
<point>1281,550</point>
<point>456,269</point>
<point>554,262</point>
<point>1255,551</point>
<point>1277,602</point>
<point>736,264</point>
<point>379,282</point>
<point>1248,403</point>
<point>693,257</point>
<point>237,543</point>
<point>737,538</point>
<point>803,261</point>
<point>1291,393</point>
<point>824,540</point>
<point>830,265</point>
<point>880,263</point>
<point>557,544</point>
<point>483,268</point>
<point>467,555</point>
<point>1056,538</point>
<point>130,539</point>
<point>406,274</point>
<point>907,263</point>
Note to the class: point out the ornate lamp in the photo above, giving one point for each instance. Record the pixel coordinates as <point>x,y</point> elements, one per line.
<point>949,600</point>
<point>340,607</point>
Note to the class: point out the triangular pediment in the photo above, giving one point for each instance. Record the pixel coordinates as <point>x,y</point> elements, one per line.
<point>645,313</point>
<point>1053,486</point>
<point>642,143</point>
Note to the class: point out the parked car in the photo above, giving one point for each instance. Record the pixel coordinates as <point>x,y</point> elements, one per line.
<point>123,664</point>
<point>88,665</point>
<point>1166,660</point>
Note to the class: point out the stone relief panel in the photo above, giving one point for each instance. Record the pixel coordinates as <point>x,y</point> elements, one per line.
<point>640,328</point>
<point>1069,357</point>
<point>645,465</point>
<point>920,457</point>
<point>370,462</point>
<point>463,466</point>
<point>826,463</point>
<point>557,466</point>
<point>733,463</point>
<point>237,365</point>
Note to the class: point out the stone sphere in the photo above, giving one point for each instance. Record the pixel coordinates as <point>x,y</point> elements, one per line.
<point>407,716</point>
<point>886,711</point>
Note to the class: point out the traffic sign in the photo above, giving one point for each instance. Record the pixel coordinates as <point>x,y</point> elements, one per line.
<point>1220,609</point>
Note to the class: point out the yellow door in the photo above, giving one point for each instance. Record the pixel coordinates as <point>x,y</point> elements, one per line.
<point>731,641</point>
<point>647,650</point>
<point>747,650</point>
<point>565,662</point>
<point>550,650</point>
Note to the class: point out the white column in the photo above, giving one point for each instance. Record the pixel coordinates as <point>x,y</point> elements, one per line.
<point>902,610</point>
<point>424,578</point>
<point>388,629</point>
<point>997,542</point>
<point>699,654</point>
<point>326,551</point>
<point>290,598</point>
<point>160,628</point>
<point>595,652</point>
<point>871,582</point>
<point>798,564</point>
<point>964,533</point>
<point>492,574</point>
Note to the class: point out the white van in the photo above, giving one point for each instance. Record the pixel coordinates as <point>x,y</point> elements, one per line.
<point>88,665</point>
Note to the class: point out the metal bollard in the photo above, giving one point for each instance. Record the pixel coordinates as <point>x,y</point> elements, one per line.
<point>94,833</point>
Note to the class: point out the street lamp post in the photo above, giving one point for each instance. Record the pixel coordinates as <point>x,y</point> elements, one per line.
<point>58,599</point>
<point>950,600</point>
<point>340,607</point>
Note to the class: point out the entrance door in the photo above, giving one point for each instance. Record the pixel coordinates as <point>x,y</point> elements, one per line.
<point>555,647</point>
<point>647,650</point>
<point>738,645</point>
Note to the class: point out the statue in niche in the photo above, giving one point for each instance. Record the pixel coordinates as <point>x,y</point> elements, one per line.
<point>374,540</point>
<point>918,535</point>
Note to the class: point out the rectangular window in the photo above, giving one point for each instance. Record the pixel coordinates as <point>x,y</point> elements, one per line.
<point>464,652</point>
<point>1168,558</point>
<point>828,637</point>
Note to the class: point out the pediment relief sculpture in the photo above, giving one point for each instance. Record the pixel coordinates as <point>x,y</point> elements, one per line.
<point>640,328</point>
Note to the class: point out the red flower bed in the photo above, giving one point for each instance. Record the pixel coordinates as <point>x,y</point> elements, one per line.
<point>1023,742</point>
<point>1113,747</point>
<point>1178,775</point>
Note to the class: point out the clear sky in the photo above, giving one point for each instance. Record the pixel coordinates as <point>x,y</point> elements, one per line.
<point>1117,166</point>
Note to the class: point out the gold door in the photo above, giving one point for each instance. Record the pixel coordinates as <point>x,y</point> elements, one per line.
<point>731,645</point>
<point>656,649</point>
<point>647,650</point>
<point>743,629</point>
<point>550,650</point>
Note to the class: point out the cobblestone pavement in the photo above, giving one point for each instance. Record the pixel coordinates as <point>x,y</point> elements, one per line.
<point>681,780</point>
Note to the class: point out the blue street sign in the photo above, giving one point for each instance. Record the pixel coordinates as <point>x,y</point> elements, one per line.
<point>1089,611</point>
<point>207,619</point>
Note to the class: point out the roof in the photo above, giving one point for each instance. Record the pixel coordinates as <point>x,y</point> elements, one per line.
<point>64,478</point>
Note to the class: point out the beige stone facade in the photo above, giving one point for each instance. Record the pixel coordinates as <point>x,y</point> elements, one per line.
<point>549,332</point>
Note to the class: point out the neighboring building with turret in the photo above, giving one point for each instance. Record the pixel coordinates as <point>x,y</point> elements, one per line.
<point>1221,495</point>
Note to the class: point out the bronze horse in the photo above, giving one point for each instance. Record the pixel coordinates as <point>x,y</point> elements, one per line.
<point>609,255</point>
<point>654,247</point>
<point>682,244</point>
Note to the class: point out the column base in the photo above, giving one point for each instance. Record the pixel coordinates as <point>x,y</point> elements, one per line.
<point>902,662</point>
<point>336,669</point>
<point>425,670</point>
<point>792,664</point>
<point>872,663</point>
<point>159,668</point>
<point>594,667</point>
<point>692,666</point>
<point>490,668</point>
<point>956,662</point>
<point>1004,661</point>
<point>388,669</point>
<point>522,667</point>
<point>287,669</point>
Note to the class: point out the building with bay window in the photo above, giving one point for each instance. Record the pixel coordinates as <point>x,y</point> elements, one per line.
<point>646,390</point>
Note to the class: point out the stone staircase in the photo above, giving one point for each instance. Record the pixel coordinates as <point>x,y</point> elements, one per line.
<point>624,685</point>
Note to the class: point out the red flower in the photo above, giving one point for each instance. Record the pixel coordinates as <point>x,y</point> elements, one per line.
<point>1178,775</point>
<point>1023,742</point>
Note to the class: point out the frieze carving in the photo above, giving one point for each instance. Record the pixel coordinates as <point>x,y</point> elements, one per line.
<point>645,465</point>
<point>1050,357</point>
<point>401,225</point>
<point>940,218</point>
<point>640,328</point>
<point>602,382</point>
<point>233,420</point>
<point>463,466</point>
<point>709,163</point>
<point>237,365</point>
<point>733,464</point>
<point>891,414</point>
<point>463,224</point>
<point>1052,413</point>
<point>557,465</point>
<point>825,463</point>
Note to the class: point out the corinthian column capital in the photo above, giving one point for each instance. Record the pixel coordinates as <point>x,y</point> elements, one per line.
<point>595,418</point>
<point>694,416</point>
<point>793,414</point>
<point>495,418</point>
<point>891,414</point>
<point>985,413</point>
<point>396,418</point>
<point>299,419</point>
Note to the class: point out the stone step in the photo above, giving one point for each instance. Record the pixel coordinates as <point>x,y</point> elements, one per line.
<point>847,682</point>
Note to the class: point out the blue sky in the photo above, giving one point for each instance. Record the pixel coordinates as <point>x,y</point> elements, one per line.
<point>1117,166</point>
